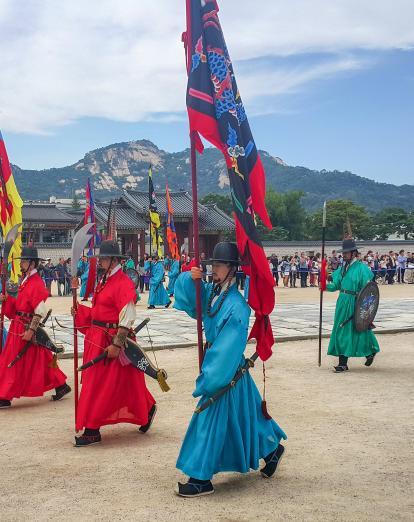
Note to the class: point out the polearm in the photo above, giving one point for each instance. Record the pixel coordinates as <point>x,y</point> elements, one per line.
<point>3,294</point>
<point>81,239</point>
<point>187,45</point>
<point>323,267</point>
<point>9,240</point>
<point>196,250</point>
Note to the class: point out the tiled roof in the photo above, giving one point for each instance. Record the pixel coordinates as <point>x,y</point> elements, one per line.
<point>45,213</point>
<point>126,218</point>
<point>215,220</point>
<point>181,201</point>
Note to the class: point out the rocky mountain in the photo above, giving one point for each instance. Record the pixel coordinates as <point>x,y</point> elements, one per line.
<point>125,166</point>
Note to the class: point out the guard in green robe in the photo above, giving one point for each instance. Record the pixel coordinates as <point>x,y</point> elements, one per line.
<point>345,341</point>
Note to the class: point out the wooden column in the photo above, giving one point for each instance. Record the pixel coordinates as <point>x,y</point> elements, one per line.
<point>190,237</point>
<point>135,248</point>
<point>142,244</point>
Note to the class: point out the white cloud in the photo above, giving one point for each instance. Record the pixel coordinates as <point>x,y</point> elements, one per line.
<point>124,60</point>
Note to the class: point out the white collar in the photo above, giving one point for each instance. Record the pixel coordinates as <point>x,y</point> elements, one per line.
<point>233,282</point>
<point>34,271</point>
<point>114,271</point>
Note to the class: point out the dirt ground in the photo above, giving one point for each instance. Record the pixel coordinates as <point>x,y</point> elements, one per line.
<point>61,305</point>
<point>349,455</point>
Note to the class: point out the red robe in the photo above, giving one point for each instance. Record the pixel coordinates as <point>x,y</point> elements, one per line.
<point>111,393</point>
<point>32,375</point>
<point>186,267</point>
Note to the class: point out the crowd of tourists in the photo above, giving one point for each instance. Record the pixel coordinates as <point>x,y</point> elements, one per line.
<point>297,270</point>
<point>303,270</point>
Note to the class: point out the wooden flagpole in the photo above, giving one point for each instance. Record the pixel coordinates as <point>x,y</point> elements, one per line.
<point>321,290</point>
<point>196,249</point>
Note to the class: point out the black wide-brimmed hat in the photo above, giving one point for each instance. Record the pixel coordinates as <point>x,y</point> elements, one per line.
<point>348,245</point>
<point>29,252</point>
<point>226,252</point>
<point>110,248</point>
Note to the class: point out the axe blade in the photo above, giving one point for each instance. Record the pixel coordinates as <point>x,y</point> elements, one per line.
<point>9,240</point>
<point>80,240</point>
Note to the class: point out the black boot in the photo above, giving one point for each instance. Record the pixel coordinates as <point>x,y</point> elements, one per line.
<point>194,488</point>
<point>151,415</point>
<point>370,359</point>
<point>272,462</point>
<point>88,437</point>
<point>61,391</point>
<point>4,404</point>
<point>150,307</point>
<point>340,368</point>
<point>168,304</point>
<point>342,365</point>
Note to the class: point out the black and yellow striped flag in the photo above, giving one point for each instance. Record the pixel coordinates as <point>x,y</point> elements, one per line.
<point>155,221</point>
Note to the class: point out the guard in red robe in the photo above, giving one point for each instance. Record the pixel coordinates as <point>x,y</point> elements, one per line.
<point>36,372</point>
<point>113,391</point>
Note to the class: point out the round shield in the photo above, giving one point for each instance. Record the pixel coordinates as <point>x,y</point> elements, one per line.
<point>133,275</point>
<point>366,307</point>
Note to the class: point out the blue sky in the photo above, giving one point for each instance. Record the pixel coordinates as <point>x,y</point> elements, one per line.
<point>336,96</point>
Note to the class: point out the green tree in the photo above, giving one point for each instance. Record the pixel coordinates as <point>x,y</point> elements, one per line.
<point>338,212</point>
<point>391,220</point>
<point>410,225</point>
<point>75,202</point>
<point>223,202</point>
<point>287,215</point>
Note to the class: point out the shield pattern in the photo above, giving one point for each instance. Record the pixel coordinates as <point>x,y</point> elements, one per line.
<point>366,307</point>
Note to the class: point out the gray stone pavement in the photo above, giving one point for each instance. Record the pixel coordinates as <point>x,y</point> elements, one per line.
<point>170,328</point>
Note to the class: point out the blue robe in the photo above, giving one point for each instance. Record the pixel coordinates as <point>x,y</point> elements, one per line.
<point>172,276</point>
<point>157,296</point>
<point>232,434</point>
<point>246,287</point>
<point>4,335</point>
<point>84,280</point>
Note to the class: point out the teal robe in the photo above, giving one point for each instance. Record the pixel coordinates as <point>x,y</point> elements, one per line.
<point>157,296</point>
<point>232,434</point>
<point>346,340</point>
<point>84,280</point>
<point>172,276</point>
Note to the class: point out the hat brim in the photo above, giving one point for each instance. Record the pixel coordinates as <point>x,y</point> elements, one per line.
<point>344,250</point>
<point>26,258</point>
<point>119,256</point>
<point>214,260</point>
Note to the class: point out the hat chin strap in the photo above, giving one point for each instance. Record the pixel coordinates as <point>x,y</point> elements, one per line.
<point>108,269</point>
<point>28,270</point>
<point>221,283</point>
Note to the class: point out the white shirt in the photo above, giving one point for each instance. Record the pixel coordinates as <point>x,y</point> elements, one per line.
<point>41,308</point>
<point>128,314</point>
<point>233,282</point>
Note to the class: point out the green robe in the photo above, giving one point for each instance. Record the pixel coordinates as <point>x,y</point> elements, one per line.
<point>346,340</point>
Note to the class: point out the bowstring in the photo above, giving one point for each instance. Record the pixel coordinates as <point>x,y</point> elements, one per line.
<point>152,346</point>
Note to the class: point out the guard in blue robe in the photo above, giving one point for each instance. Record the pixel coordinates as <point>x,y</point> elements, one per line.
<point>158,295</point>
<point>84,281</point>
<point>232,434</point>
<point>172,276</point>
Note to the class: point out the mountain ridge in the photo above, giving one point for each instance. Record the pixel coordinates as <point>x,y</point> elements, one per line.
<point>124,165</point>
